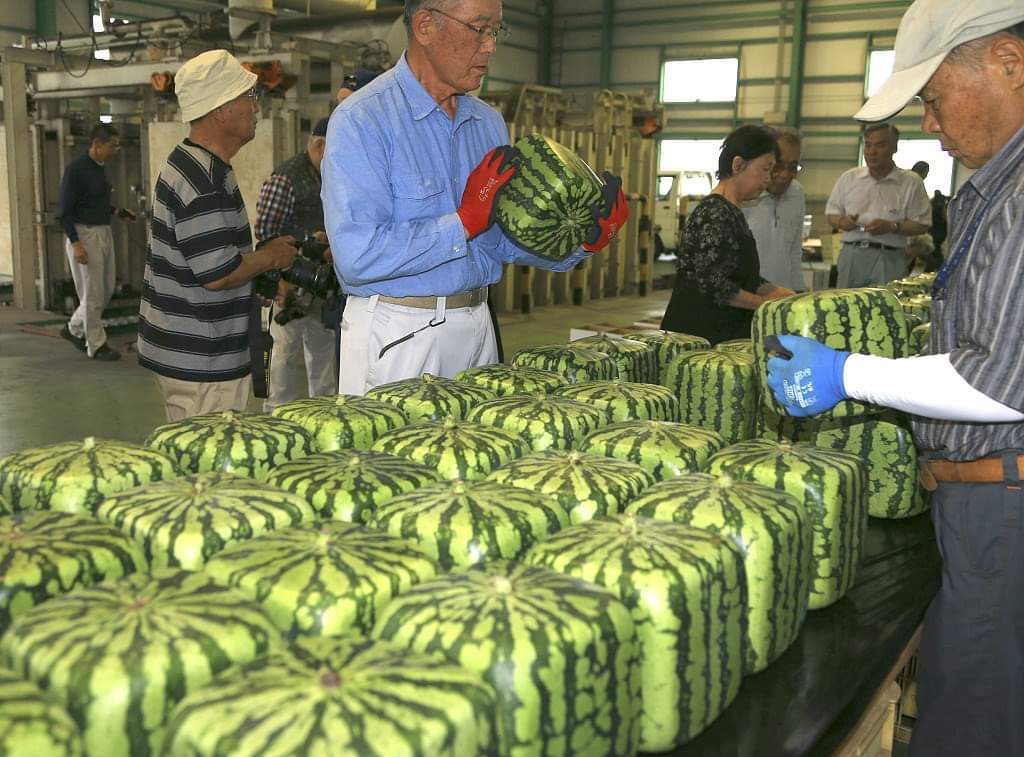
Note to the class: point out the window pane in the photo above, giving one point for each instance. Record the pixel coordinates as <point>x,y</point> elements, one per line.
<point>690,155</point>
<point>690,81</point>
<point>940,164</point>
<point>879,69</point>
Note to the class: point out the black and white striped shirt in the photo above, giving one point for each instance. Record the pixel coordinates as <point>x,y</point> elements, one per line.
<point>980,321</point>
<point>200,230</point>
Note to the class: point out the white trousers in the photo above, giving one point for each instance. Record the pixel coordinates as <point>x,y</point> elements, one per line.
<point>463,338</point>
<point>300,341</point>
<point>183,399</point>
<point>94,283</point>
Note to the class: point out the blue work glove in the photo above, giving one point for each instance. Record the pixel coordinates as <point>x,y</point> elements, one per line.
<point>811,381</point>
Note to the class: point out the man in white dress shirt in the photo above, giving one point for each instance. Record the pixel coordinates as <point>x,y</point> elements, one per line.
<point>877,206</point>
<point>777,216</point>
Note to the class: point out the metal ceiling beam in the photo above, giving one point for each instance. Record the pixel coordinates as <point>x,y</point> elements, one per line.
<point>135,74</point>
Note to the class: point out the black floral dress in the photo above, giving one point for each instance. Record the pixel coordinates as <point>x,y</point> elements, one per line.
<point>718,259</point>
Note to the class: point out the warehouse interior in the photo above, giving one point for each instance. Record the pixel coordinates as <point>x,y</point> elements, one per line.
<point>646,89</point>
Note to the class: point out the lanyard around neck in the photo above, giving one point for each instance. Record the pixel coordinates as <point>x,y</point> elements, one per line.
<point>963,247</point>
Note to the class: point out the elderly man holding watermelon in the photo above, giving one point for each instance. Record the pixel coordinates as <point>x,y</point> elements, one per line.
<point>965,60</point>
<point>412,173</point>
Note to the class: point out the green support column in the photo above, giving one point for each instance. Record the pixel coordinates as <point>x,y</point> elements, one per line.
<point>607,39</point>
<point>46,18</point>
<point>547,33</point>
<point>796,68</point>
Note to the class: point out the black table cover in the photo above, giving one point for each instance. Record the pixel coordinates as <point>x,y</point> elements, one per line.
<point>808,701</point>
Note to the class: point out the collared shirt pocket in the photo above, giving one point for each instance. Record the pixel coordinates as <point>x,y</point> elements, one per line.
<point>417,196</point>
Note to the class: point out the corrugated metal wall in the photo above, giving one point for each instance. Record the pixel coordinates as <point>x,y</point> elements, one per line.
<point>645,33</point>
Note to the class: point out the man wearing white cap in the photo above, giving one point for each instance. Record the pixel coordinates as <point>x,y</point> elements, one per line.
<point>196,292</point>
<point>966,62</point>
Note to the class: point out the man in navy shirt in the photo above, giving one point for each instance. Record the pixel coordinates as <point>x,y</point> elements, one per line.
<point>85,211</point>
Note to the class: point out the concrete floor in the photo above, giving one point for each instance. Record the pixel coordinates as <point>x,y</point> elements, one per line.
<point>50,392</point>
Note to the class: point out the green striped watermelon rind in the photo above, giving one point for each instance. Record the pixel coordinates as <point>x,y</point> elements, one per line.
<point>586,485</point>
<point>31,724</point>
<point>74,476</point>
<point>119,654</point>
<point>686,589</point>
<point>184,521</point>
<point>348,484</point>
<point>462,523</point>
<point>832,486</point>
<point>546,207</point>
<point>322,579</point>
<point>576,364</point>
<point>716,390</point>
<point>637,361</point>
<point>668,344</point>
<point>544,422</point>
<point>339,696</point>
<point>431,398</point>
<point>866,321</point>
<point>663,448</point>
<point>45,554</point>
<point>772,531</point>
<point>560,653</point>
<point>626,401</point>
<point>247,444</point>
<point>506,380</point>
<point>455,449</point>
<point>342,422</point>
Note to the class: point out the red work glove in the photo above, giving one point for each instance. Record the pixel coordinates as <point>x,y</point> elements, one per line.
<point>481,192</point>
<point>610,215</point>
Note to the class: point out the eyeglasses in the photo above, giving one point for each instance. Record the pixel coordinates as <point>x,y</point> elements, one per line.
<point>501,31</point>
<point>791,166</point>
<point>253,94</point>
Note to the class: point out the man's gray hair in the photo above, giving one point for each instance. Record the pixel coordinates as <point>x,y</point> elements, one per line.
<point>790,135</point>
<point>972,54</point>
<point>412,7</point>
<point>894,133</point>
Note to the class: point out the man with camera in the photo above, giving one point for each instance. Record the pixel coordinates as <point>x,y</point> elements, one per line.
<point>197,291</point>
<point>289,203</point>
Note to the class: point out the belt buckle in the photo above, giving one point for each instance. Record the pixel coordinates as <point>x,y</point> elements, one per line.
<point>863,243</point>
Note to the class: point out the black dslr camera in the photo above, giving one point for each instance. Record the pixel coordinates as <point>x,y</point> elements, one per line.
<point>309,273</point>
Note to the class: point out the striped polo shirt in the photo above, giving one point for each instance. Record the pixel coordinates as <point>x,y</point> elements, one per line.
<point>980,320</point>
<point>199,232</point>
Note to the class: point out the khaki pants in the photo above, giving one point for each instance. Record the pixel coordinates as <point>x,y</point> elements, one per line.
<point>183,399</point>
<point>94,284</point>
<point>868,266</point>
<point>301,341</point>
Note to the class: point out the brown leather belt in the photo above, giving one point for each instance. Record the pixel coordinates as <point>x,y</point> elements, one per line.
<point>468,299</point>
<point>987,470</point>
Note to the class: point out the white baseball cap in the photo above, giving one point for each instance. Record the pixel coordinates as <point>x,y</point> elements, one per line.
<point>929,31</point>
<point>209,80</point>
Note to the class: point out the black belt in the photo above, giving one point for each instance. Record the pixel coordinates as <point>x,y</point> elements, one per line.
<point>873,245</point>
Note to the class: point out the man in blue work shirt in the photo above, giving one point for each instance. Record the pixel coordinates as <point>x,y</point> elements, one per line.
<point>85,215</point>
<point>966,392</point>
<point>414,260</point>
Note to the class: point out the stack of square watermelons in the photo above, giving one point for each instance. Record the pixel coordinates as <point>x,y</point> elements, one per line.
<point>508,562</point>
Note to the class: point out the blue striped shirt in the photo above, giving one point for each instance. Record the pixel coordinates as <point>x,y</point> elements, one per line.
<point>393,176</point>
<point>980,322</point>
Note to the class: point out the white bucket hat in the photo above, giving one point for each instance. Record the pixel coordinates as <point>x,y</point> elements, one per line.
<point>929,31</point>
<point>209,80</point>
